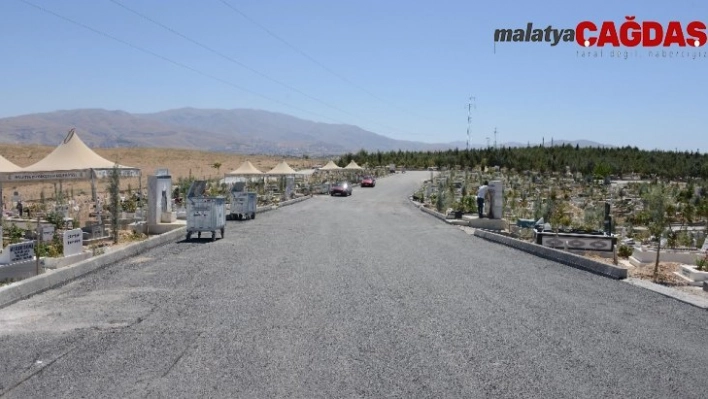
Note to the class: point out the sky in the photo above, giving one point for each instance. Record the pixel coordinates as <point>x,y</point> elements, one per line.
<point>403,69</point>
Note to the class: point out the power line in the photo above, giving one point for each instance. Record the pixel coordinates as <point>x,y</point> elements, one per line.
<point>312,59</point>
<point>231,59</point>
<point>177,63</point>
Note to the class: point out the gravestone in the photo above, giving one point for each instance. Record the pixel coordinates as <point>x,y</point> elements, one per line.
<point>73,242</point>
<point>47,232</point>
<point>20,252</point>
<point>496,194</point>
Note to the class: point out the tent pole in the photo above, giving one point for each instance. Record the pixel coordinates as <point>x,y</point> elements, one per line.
<point>140,190</point>
<point>95,197</point>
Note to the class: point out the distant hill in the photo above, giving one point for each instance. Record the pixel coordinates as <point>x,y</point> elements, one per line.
<point>245,131</point>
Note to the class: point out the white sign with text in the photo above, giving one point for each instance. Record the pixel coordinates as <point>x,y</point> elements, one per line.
<point>47,232</point>
<point>23,251</point>
<point>73,242</point>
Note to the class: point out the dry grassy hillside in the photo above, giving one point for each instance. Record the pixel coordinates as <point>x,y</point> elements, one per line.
<point>180,162</point>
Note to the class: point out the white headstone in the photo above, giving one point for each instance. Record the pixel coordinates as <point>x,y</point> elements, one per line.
<point>73,242</point>
<point>47,232</point>
<point>23,251</point>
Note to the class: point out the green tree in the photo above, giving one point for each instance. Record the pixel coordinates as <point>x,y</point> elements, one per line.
<point>114,205</point>
<point>656,204</point>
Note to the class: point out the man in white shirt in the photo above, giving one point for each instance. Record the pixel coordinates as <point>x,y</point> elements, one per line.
<point>481,195</point>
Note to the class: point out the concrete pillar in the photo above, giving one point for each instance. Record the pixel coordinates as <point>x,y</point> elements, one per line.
<point>496,193</point>
<point>159,199</point>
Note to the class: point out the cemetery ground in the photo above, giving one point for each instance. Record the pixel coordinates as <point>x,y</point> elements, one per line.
<point>361,296</point>
<point>572,203</point>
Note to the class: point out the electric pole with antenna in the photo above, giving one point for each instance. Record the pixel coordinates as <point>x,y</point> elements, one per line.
<point>470,105</point>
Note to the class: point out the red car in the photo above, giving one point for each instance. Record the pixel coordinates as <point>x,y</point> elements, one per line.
<point>368,181</point>
<point>341,188</point>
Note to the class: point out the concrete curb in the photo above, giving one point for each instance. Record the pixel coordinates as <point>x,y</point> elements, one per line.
<point>432,212</point>
<point>50,279</point>
<point>670,292</point>
<point>53,278</point>
<point>565,258</point>
<point>293,201</point>
<point>265,208</point>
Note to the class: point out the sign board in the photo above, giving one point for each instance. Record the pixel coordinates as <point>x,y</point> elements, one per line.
<point>37,176</point>
<point>47,232</point>
<point>105,173</point>
<point>162,172</point>
<point>23,251</point>
<point>73,242</point>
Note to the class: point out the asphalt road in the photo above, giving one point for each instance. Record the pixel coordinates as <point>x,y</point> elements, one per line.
<point>363,296</point>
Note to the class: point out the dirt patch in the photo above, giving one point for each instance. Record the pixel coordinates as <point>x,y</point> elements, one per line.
<point>665,276</point>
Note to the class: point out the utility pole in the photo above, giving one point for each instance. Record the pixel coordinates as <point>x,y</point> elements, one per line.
<point>469,118</point>
<point>495,138</point>
<point>487,142</point>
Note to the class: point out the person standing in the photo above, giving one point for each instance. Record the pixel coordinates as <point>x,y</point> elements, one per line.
<point>481,195</point>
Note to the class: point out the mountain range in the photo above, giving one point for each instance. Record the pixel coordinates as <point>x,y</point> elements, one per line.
<point>246,131</point>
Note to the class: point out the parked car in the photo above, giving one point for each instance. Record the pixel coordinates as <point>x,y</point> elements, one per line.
<point>368,181</point>
<point>341,188</point>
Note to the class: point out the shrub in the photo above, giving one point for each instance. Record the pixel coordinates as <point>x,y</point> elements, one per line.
<point>624,251</point>
<point>702,263</point>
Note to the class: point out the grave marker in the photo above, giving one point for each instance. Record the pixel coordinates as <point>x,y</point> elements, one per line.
<point>47,232</point>
<point>73,242</point>
<point>20,252</point>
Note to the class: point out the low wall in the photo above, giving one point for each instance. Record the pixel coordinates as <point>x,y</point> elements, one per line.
<point>645,256</point>
<point>565,258</point>
<point>20,270</point>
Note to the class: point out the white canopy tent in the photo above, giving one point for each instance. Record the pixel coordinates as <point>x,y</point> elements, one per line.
<point>7,166</point>
<point>71,160</point>
<point>331,166</point>
<point>353,166</point>
<point>282,169</point>
<point>246,169</point>
<point>239,174</point>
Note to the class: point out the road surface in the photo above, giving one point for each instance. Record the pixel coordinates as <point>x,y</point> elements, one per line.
<point>363,296</point>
